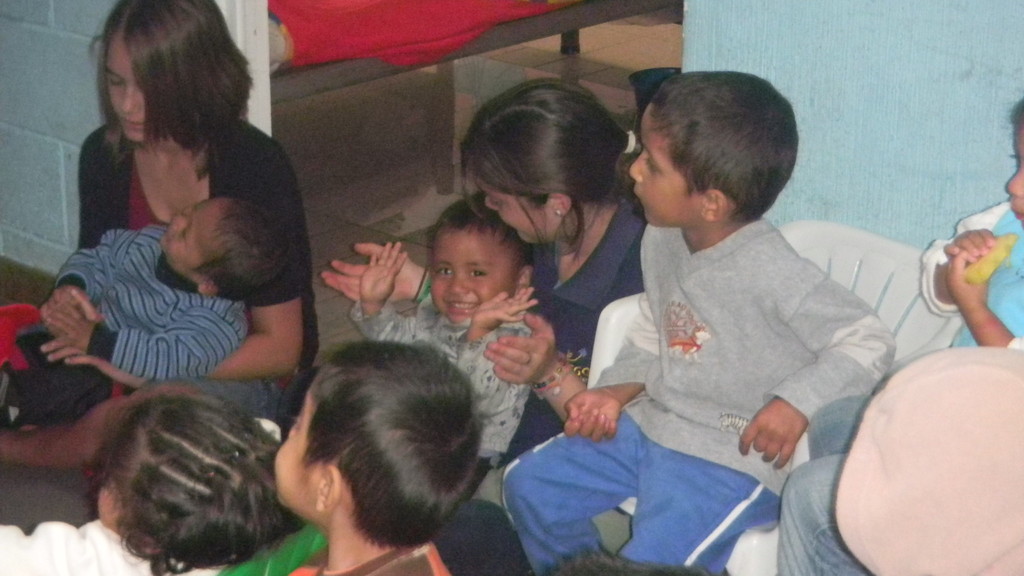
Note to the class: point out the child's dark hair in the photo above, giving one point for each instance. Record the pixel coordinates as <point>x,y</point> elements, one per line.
<point>728,131</point>
<point>193,482</point>
<point>400,424</point>
<point>1017,117</point>
<point>605,565</point>
<point>545,137</point>
<point>251,252</point>
<point>470,215</point>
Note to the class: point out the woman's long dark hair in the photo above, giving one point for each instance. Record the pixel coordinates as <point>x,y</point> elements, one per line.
<point>546,137</point>
<point>193,77</point>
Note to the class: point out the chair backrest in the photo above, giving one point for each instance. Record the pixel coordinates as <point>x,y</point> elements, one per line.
<point>883,272</point>
<point>612,326</point>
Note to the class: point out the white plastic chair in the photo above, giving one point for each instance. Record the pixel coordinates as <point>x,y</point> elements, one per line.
<point>883,272</point>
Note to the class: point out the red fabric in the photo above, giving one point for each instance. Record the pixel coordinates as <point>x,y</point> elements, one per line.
<point>139,213</point>
<point>139,216</point>
<point>400,32</point>
<point>13,318</point>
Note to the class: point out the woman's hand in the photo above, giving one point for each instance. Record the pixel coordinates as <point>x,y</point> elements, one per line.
<point>71,317</point>
<point>68,312</point>
<point>525,359</point>
<point>345,277</point>
<point>113,372</point>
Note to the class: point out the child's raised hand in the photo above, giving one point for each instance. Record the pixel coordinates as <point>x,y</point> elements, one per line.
<point>378,280</point>
<point>774,432</point>
<point>592,413</point>
<point>499,310</point>
<point>971,245</point>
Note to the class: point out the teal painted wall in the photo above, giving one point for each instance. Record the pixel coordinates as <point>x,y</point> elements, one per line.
<point>902,105</point>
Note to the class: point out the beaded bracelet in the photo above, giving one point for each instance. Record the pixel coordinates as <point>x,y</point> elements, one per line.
<point>552,382</point>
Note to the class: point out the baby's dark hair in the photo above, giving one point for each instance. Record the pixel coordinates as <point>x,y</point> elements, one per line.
<point>605,565</point>
<point>470,215</point>
<point>544,137</point>
<point>192,478</point>
<point>729,131</point>
<point>251,252</point>
<point>400,424</point>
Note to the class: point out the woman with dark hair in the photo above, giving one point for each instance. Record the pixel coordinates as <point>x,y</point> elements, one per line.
<point>173,88</point>
<point>546,156</point>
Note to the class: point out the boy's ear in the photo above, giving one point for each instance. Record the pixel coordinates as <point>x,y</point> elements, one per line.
<point>332,491</point>
<point>716,206</point>
<point>525,277</point>
<point>335,503</point>
<point>206,287</point>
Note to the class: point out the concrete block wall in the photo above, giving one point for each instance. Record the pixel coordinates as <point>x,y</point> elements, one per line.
<point>48,104</point>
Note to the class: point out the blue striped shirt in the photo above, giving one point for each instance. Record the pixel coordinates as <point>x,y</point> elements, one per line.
<point>160,332</point>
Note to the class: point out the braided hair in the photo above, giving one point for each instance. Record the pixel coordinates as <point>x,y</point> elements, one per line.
<point>192,481</point>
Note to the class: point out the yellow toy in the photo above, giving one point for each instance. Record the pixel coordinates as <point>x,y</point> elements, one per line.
<point>982,270</point>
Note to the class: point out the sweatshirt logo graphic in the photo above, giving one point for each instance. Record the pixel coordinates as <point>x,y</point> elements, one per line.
<point>684,333</point>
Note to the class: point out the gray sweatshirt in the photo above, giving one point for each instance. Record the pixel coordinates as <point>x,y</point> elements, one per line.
<point>729,328</point>
<point>500,403</point>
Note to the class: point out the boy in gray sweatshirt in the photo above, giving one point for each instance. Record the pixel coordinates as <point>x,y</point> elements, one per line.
<point>739,342</point>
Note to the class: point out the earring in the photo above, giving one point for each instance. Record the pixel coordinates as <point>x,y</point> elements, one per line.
<point>558,213</point>
<point>633,145</point>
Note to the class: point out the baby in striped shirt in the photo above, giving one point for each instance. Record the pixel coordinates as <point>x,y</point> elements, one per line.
<point>160,303</point>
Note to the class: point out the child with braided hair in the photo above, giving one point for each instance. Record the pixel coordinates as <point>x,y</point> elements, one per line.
<point>184,484</point>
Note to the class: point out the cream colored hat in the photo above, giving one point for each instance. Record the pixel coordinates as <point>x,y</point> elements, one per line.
<point>934,482</point>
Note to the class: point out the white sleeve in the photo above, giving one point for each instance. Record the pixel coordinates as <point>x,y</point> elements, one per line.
<point>935,255</point>
<point>58,549</point>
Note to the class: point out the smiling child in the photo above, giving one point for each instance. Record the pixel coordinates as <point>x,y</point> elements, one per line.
<point>479,277</point>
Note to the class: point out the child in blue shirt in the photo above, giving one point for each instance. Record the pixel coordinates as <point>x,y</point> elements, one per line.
<point>993,314</point>
<point>740,341</point>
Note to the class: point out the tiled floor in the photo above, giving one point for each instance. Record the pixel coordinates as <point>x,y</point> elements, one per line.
<point>371,159</point>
